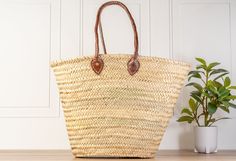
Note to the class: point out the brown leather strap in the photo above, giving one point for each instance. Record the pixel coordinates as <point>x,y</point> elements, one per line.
<point>132,22</point>
<point>102,37</point>
<point>97,63</point>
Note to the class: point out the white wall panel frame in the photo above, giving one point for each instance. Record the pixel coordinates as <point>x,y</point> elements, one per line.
<point>21,99</point>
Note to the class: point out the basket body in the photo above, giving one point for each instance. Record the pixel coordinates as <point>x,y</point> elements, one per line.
<point>115,114</point>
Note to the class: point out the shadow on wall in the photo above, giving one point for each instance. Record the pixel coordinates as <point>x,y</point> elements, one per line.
<point>186,134</point>
<point>177,136</point>
<point>186,137</point>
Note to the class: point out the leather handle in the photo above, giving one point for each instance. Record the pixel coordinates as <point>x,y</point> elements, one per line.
<point>102,38</point>
<point>97,63</point>
<point>132,23</point>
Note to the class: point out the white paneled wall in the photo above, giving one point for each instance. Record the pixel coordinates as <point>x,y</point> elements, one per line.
<point>27,88</point>
<point>30,32</point>
<point>203,28</point>
<point>34,32</point>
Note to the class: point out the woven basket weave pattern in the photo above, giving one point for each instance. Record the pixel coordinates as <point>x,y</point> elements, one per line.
<point>116,114</point>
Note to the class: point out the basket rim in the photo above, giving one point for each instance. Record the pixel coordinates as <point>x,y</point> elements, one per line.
<point>79,58</point>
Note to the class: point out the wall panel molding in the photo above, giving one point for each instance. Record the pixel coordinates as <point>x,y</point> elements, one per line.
<point>31,37</point>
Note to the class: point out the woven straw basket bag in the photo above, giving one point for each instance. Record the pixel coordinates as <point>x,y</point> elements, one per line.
<point>118,105</point>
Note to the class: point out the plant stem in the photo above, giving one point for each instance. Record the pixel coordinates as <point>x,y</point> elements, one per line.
<point>206,105</point>
<point>203,81</point>
<point>195,116</point>
<point>205,119</point>
<point>196,119</point>
<point>218,120</point>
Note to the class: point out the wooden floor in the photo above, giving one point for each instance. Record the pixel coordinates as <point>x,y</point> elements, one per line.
<point>161,156</point>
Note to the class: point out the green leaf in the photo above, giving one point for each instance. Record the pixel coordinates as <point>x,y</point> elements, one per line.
<point>224,93</point>
<point>192,105</point>
<point>232,105</point>
<point>212,65</point>
<point>202,61</point>
<point>227,82</point>
<point>201,67</point>
<point>220,76</point>
<point>185,119</point>
<point>232,87</point>
<point>196,97</point>
<point>226,104</point>
<point>211,108</point>
<point>216,71</point>
<point>212,89</point>
<point>224,108</point>
<point>196,85</point>
<point>217,84</point>
<point>196,75</point>
<point>195,71</point>
<point>187,111</point>
<point>222,89</point>
<point>196,93</point>
<point>231,97</point>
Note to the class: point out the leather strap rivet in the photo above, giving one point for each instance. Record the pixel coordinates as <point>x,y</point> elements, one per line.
<point>133,66</point>
<point>97,65</point>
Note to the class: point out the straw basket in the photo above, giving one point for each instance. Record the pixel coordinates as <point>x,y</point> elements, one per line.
<point>118,105</point>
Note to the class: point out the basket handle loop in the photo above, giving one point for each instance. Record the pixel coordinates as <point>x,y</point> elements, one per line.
<point>97,62</point>
<point>102,38</point>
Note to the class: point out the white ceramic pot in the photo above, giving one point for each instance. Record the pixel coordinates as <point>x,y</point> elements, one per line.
<point>206,139</point>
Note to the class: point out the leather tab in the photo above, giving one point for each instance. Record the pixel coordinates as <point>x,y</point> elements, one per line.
<point>133,66</point>
<point>97,65</point>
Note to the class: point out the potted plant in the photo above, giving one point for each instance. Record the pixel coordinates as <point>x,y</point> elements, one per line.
<point>212,91</point>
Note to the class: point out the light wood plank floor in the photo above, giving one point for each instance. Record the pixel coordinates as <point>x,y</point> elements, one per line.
<point>60,155</point>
